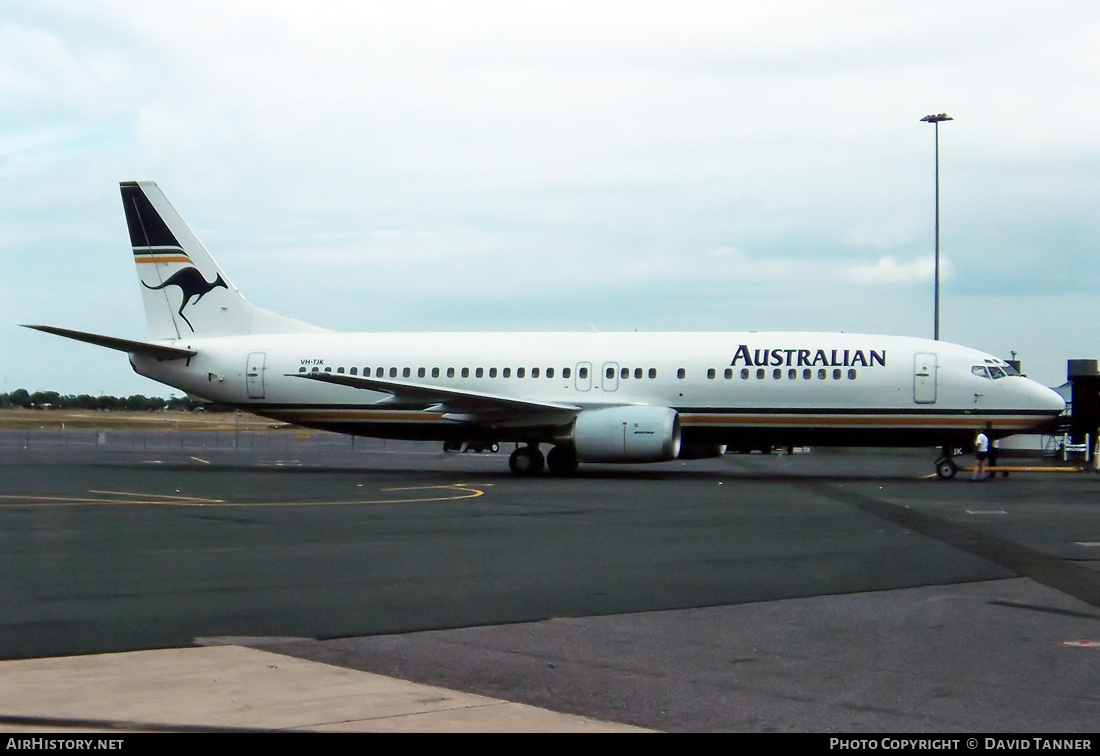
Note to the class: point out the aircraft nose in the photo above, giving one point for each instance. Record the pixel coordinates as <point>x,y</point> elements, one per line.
<point>1047,399</point>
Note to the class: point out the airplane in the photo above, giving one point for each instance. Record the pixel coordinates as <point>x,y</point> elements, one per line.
<point>590,397</point>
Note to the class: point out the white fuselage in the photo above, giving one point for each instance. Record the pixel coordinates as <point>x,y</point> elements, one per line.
<point>740,388</point>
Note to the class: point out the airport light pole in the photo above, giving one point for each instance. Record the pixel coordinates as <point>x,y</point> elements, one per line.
<point>935,119</point>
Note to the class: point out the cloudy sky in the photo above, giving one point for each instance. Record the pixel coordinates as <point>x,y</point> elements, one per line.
<point>556,166</point>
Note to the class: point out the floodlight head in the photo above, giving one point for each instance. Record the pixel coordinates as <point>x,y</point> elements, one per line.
<point>937,117</point>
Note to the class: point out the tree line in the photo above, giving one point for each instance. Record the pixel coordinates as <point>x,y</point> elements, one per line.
<point>23,399</point>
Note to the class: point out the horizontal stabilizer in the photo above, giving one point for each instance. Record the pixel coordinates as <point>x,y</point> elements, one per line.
<point>159,351</point>
<point>469,403</point>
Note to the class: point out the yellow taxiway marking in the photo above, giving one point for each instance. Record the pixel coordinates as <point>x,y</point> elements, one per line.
<point>136,498</point>
<point>449,492</point>
<point>1016,468</point>
<point>457,491</point>
<point>1027,468</point>
<point>157,496</point>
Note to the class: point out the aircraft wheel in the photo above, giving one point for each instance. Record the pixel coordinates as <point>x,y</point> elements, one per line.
<point>526,461</point>
<point>946,468</point>
<point>562,460</point>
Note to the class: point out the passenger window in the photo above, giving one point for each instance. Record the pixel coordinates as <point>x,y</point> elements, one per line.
<point>465,372</point>
<point>681,373</point>
<point>807,374</point>
<point>821,374</point>
<point>836,374</point>
<point>566,373</point>
<point>653,373</point>
<point>380,372</point>
<point>638,373</point>
<point>354,371</point>
<point>534,372</point>
<point>792,374</point>
<point>777,374</point>
<point>339,370</point>
<point>328,370</point>
<point>583,373</point>
<point>744,374</point>
<point>610,373</point>
<point>435,372</point>
<point>450,372</point>
<point>421,372</point>
<point>301,370</point>
<point>492,372</point>
<point>549,372</point>
<point>393,372</point>
<point>760,374</point>
<point>316,370</point>
<point>507,372</point>
<point>729,373</point>
<point>851,374</point>
<point>624,373</point>
<point>521,372</point>
<point>406,372</point>
<point>479,373</point>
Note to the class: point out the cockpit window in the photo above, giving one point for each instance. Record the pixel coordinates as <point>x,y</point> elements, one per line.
<point>1000,368</point>
<point>993,371</point>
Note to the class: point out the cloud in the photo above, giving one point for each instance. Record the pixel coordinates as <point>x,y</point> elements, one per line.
<point>889,271</point>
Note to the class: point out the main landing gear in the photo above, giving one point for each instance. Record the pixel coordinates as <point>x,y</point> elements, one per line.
<point>946,467</point>
<point>527,460</point>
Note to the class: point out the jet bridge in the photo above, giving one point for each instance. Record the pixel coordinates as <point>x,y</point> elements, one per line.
<point>1076,437</point>
<point>1084,405</point>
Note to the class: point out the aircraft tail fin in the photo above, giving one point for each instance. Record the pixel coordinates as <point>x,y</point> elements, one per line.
<point>184,291</point>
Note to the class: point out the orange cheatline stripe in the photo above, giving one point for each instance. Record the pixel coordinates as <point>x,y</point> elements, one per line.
<point>161,259</point>
<point>359,415</point>
<point>861,421</point>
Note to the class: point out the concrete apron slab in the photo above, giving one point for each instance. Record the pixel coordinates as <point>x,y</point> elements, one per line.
<point>223,688</point>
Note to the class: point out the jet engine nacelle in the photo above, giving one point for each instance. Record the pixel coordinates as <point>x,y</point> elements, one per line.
<point>701,451</point>
<point>627,434</point>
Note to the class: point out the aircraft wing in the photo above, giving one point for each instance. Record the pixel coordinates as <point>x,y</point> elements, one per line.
<point>159,351</point>
<point>456,404</point>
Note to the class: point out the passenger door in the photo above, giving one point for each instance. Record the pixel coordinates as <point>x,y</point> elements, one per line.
<point>254,375</point>
<point>925,367</point>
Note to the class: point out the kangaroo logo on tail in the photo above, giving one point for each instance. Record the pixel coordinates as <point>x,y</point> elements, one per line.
<point>191,284</point>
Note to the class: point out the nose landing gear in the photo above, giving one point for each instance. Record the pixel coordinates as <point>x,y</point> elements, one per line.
<point>946,467</point>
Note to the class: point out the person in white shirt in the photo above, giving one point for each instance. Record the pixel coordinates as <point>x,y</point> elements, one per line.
<point>981,456</point>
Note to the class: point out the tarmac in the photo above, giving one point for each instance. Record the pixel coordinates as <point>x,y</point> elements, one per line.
<point>261,582</point>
